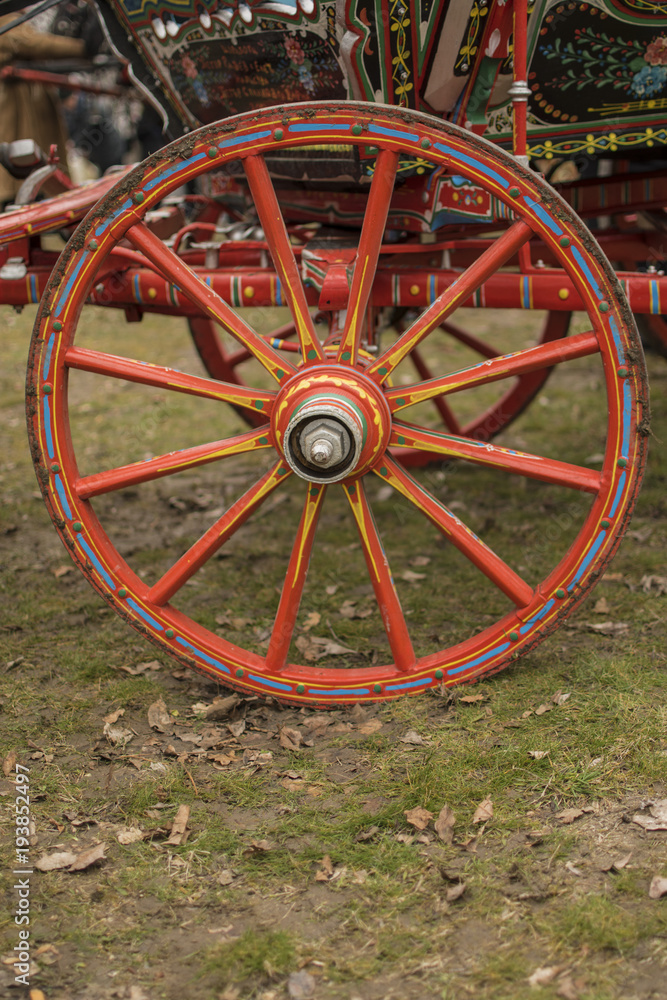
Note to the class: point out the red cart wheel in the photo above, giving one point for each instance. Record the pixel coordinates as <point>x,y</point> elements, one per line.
<point>334,425</point>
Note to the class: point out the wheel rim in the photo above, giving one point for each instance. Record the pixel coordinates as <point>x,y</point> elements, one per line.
<point>354,396</point>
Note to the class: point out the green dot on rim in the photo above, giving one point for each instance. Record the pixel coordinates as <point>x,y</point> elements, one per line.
<point>514,192</point>
<point>560,592</point>
<point>93,245</point>
<point>55,467</point>
<point>300,688</point>
<point>57,326</point>
<point>211,151</point>
<point>377,688</point>
<point>425,144</point>
<point>169,633</point>
<point>622,372</point>
<point>282,471</point>
<point>604,307</point>
<point>311,355</point>
<point>514,636</point>
<point>345,356</point>
<point>77,526</point>
<point>605,524</point>
<point>564,241</point>
<point>122,592</point>
<point>239,672</point>
<point>439,675</point>
<point>47,389</point>
<point>357,130</point>
<point>622,462</point>
<point>139,197</point>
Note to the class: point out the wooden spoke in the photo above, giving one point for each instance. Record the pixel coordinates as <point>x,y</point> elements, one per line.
<point>532,359</point>
<point>533,466</point>
<point>271,219</point>
<point>292,592</point>
<point>365,265</point>
<point>166,465</point>
<point>177,272</point>
<point>490,261</point>
<point>217,535</point>
<point>469,340</point>
<point>509,582</point>
<point>381,578</point>
<point>167,378</point>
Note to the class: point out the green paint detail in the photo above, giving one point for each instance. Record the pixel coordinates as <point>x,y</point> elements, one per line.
<point>400,402</point>
<point>282,471</point>
<point>211,152</point>
<point>357,130</point>
<point>425,144</point>
<point>47,389</point>
<point>55,467</point>
<point>57,326</point>
<point>622,372</point>
<point>383,371</point>
<point>258,404</point>
<point>439,675</point>
<point>514,192</point>
<point>311,355</point>
<point>263,440</point>
<point>514,636</point>
<point>93,245</point>
<point>314,491</point>
<point>138,197</point>
<point>345,356</point>
<point>377,688</point>
<point>278,133</point>
<point>565,241</point>
<point>169,633</point>
<point>560,593</point>
<point>605,524</point>
<point>122,592</point>
<point>239,672</point>
<point>352,490</point>
<point>384,471</point>
<point>622,462</point>
<point>280,373</point>
<point>300,689</point>
<point>604,307</point>
<point>401,439</point>
<point>77,526</point>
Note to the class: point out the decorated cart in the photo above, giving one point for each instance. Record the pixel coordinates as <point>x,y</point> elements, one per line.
<point>332,158</point>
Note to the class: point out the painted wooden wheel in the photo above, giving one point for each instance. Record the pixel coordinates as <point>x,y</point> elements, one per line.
<point>334,423</point>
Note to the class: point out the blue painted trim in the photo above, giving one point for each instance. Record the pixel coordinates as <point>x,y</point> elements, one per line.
<point>46,412</point>
<point>473,163</point>
<point>204,656</point>
<point>60,488</point>
<point>144,614</point>
<point>268,683</point>
<point>480,659</point>
<point>95,561</point>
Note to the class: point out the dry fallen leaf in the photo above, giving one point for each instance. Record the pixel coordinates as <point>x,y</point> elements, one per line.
<point>652,583</point>
<point>9,763</point>
<point>411,577</point>
<point>573,869</point>
<point>225,876</point>
<point>301,985</point>
<point>568,989</point>
<point>129,835</point>
<point>312,619</point>
<point>444,824</point>
<point>617,866</point>
<point>221,707</point>
<point>541,709</point>
<point>658,887</point>
<point>567,816</point>
<point>455,892</point>
<point>290,739</point>
<point>470,699</point>
<point>368,834</point>
<point>179,832</point>
<point>413,737</point>
<point>418,817</point>
<point>608,628</point>
<point>538,754</point>
<point>420,561</point>
<point>326,871</point>
<point>314,647</point>
<point>52,862</point>
<point>543,976</point>
<point>116,735</point>
<point>158,716</point>
<point>236,728</point>
<point>602,606</point>
<point>483,812</point>
<point>657,817</point>
<point>369,727</point>
<point>114,716</point>
<point>88,858</point>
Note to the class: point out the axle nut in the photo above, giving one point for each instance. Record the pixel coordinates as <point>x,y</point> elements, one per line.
<point>324,443</point>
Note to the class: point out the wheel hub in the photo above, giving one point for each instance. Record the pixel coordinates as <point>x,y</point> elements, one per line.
<point>331,425</point>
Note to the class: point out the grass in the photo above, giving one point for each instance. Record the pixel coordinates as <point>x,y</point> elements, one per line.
<point>378,920</point>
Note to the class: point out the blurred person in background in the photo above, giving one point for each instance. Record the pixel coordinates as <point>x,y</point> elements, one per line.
<point>31,110</point>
